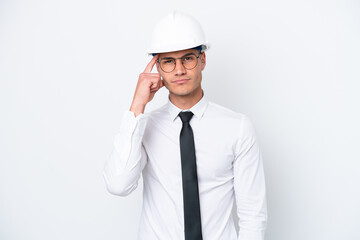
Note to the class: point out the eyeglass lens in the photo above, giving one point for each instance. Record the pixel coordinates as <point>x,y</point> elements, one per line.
<point>188,61</point>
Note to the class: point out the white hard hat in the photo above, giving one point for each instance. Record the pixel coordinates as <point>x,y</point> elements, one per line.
<point>177,31</point>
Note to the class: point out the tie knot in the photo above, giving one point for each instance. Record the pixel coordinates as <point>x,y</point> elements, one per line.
<point>185,116</point>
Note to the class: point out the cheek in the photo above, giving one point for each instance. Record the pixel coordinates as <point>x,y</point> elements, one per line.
<point>197,76</point>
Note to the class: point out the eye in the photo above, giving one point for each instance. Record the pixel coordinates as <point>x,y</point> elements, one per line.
<point>167,61</point>
<point>189,58</point>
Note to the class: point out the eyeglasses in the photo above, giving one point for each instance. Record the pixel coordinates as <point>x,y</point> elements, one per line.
<point>168,64</point>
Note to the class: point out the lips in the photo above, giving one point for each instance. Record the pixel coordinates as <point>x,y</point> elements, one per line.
<point>179,81</point>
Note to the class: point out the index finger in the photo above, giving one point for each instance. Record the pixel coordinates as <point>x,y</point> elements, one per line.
<point>151,64</point>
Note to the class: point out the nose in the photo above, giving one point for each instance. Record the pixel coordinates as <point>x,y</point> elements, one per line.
<point>179,68</point>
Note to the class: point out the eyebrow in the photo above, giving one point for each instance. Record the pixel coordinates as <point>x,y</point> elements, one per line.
<point>180,57</point>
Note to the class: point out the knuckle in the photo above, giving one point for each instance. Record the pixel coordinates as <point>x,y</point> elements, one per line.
<point>144,77</point>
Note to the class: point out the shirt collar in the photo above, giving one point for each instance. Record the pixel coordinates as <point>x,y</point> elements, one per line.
<point>198,109</point>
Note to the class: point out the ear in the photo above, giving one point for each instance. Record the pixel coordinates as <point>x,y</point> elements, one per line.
<point>203,60</point>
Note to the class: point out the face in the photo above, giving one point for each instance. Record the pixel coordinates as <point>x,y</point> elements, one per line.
<point>182,81</point>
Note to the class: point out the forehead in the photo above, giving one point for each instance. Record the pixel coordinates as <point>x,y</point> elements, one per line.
<point>177,54</point>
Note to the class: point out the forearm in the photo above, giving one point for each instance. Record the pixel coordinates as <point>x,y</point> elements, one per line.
<point>123,169</point>
<point>251,203</point>
<point>249,186</point>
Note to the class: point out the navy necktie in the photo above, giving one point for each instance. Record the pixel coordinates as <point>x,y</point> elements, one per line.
<point>192,218</point>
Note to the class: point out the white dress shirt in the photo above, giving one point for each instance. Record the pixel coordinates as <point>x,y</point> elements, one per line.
<point>229,165</point>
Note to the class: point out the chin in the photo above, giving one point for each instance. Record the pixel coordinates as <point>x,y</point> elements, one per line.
<point>181,92</point>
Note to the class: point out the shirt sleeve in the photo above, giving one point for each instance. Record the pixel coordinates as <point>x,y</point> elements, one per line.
<point>123,168</point>
<point>249,185</point>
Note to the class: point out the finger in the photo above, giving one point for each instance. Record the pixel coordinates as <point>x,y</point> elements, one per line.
<point>153,85</point>
<point>151,64</point>
<point>153,91</point>
<point>157,84</point>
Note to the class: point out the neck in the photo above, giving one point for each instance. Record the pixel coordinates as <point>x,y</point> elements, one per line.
<point>186,102</point>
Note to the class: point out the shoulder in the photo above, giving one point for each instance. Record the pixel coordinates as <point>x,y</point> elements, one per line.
<point>215,109</point>
<point>226,115</point>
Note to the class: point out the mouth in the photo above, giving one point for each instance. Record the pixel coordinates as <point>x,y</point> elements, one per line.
<point>179,81</point>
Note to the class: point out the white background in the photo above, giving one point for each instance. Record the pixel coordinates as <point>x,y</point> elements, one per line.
<point>68,70</point>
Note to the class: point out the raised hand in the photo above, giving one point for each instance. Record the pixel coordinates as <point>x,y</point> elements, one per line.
<point>148,84</point>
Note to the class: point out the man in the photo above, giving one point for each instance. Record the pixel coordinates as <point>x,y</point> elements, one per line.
<point>195,156</point>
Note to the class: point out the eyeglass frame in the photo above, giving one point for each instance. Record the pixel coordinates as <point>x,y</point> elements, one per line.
<point>197,57</point>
